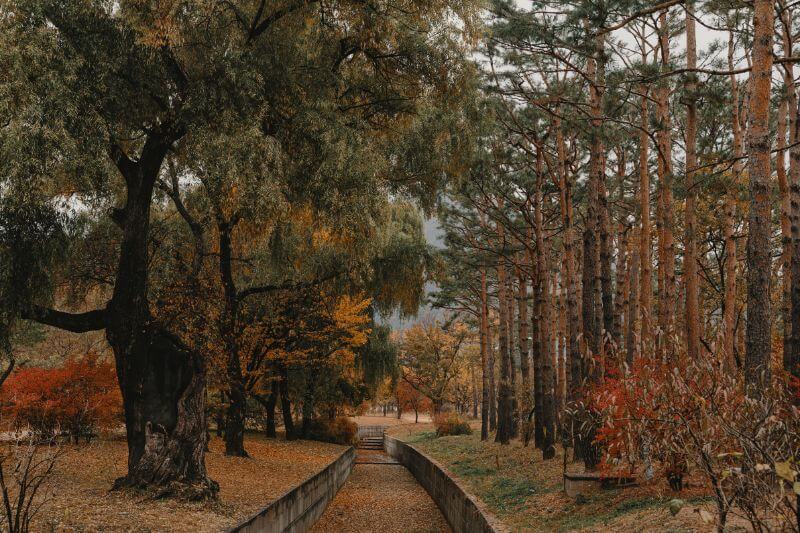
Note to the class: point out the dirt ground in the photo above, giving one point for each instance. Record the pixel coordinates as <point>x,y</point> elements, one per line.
<point>82,501</point>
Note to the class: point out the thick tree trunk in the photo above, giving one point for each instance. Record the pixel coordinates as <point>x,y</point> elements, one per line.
<point>759,267</point>
<point>162,381</point>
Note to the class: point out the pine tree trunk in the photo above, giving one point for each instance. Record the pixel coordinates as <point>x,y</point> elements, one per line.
<point>623,290</point>
<point>505,400</point>
<point>573,349</point>
<point>484,334</point>
<point>492,364</point>
<point>729,293</point>
<point>543,305</point>
<point>791,353</point>
<point>692,280</point>
<point>666,243</point>
<point>645,236</point>
<point>537,344</point>
<point>759,267</point>
<point>524,345</point>
<point>633,328</point>
<point>512,358</point>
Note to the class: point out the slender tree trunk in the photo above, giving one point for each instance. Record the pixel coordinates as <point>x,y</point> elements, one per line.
<point>492,364</point>
<point>484,334</point>
<point>543,305</point>
<point>474,381</point>
<point>791,354</point>
<point>505,400</point>
<point>623,290</point>
<point>645,237</point>
<point>729,293</point>
<point>633,333</point>
<point>524,345</point>
<point>692,280</point>
<point>512,358</point>
<point>573,349</point>
<point>759,267</point>
<point>666,244</point>
<point>272,401</point>
<point>286,406</point>
<point>537,342</point>
<point>786,236</point>
<point>235,416</point>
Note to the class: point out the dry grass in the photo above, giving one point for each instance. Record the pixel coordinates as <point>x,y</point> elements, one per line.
<point>83,501</point>
<point>526,493</point>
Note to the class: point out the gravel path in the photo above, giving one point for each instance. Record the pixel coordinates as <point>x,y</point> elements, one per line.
<point>381,499</point>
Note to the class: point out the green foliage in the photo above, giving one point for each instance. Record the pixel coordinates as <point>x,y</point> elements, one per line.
<point>378,358</point>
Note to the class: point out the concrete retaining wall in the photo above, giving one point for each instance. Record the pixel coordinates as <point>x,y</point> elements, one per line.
<point>462,510</point>
<point>300,508</point>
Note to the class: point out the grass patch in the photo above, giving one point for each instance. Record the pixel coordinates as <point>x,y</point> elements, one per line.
<point>509,494</point>
<point>525,492</point>
<point>422,436</point>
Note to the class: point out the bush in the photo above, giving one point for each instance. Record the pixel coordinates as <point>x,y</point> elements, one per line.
<point>451,424</point>
<point>342,430</point>
<point>74,399</point>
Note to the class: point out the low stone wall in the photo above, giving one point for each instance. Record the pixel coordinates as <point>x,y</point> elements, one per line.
<point>300,508</point>
<point>464,512</point>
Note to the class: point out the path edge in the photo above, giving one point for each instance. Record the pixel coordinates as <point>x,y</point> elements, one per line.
<point>296,510</point>
<point>464,512</point>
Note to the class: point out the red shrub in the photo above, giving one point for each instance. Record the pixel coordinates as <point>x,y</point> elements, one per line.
<point>451,424</point>
<point>74,399</point>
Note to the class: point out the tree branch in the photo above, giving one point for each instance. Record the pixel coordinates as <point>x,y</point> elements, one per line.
<point>74,322</point>
<point>288,285</point>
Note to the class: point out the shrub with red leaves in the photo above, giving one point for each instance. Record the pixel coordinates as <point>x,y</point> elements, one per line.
<point>75,399</point>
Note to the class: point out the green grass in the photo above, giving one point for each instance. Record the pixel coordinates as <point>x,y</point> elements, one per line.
<point>509,494</point>
<point>422,436</point>
<point>518,487</point>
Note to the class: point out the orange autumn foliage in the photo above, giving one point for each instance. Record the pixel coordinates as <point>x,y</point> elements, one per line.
<point>76,398</point>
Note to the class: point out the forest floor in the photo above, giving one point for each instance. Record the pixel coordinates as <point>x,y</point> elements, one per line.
<point>82,500</point>
<point>526,493</point>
